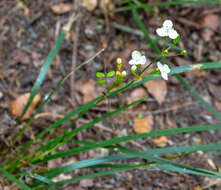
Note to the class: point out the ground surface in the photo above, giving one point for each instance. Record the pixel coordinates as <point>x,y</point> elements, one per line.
<point>27,33</point>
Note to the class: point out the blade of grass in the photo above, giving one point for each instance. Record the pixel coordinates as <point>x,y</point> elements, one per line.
<point>48,62</point>
<point>178,149</point>
<point>14,179</point>
<point>197,171</point>
<point>167,164</point>
<point>44,69</point>
<point>99,174</point>
<point>100,160</point>
<point>180,78</point>
<point>169,3</point>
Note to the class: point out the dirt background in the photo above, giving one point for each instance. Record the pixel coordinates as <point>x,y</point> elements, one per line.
<point>28,30</point>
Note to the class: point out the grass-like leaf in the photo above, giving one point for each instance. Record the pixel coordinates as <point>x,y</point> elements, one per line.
<point>14,179</point>
<point>44,69</point>
<point>132,137</point>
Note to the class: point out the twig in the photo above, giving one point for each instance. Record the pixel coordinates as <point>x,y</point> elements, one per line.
<point>74,53</point>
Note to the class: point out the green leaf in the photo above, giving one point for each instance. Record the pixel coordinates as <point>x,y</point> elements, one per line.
<point>44,69</point>
<point>100,75</point>
<point>118,140</point>
<point>13,179</point>
<point>101,82</point>
<point>110,74</point>
<point>97,162</point>
<point>39,178</point>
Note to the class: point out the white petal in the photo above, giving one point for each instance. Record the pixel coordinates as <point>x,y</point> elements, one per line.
<point>135,54</point>
<point>164,76</point>
<point>161,32</point>
<point>166,69</point>
<point>160,66</point>
<point>172,34</point>
<point>132,62</point>
<point>167,24</point>
<point>142,60</point>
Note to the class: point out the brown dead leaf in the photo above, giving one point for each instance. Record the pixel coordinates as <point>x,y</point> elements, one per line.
<point>86,183</point>
<point>158,89</point>
<point>161,142</point>
<point>143,125</point>
<point>215,91</point>
<point>18,104</point>
<point>61,8</point>
<point>22,5</point>
<point>137,94</point>
<point>107,6</point>
<point>89,89</point>
<point>210,22</point>
<point>197,187</point>
<point>90,4</point>
<point>218,105</point>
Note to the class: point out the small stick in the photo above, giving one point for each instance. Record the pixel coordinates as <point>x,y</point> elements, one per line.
<point>74,55</point>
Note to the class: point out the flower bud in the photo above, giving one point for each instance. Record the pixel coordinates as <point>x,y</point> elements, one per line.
<point>183,52</point>
<point>165,52</point>
<point>133,68</point>
<point>117,73</point>
<point>119,60</point>
<point>123,74</point>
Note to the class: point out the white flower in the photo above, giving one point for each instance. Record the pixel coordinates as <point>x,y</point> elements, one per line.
<point>164,69</point>
<point>167,30</point>
<point>137,58</point>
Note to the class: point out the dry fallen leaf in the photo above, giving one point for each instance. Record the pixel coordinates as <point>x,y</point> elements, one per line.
<point>22,5</point>
<point>107,6</point>
<point>90,4</point>
<point>61,8</point>
<point>136,94</point>
<point>86,183</point>
<point>210,23</point>
<point>215,91</point>
<point>161,142</point>
<point>18,104</point>
<point>143,125</point>
<point>158,89</point>
<point>197,188</point>
<point>89,89</point>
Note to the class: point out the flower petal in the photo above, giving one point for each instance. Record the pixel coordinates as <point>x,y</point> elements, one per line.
<point>168,24</point>
<point>142,60</point>
<point>164,76</point>
<point>166,69</point>
<point>172,34</point>
<point>135,54</point>
<point>160,66</point>
<point>161,32</point>
<point>132,62</point>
